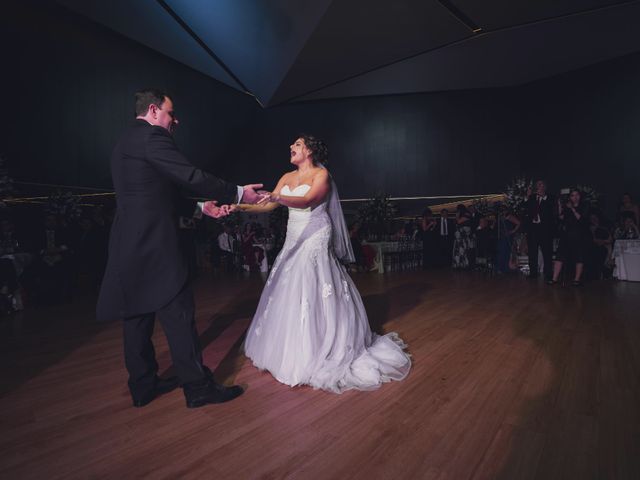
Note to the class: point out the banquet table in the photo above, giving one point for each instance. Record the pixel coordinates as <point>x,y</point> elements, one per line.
<point>383,248</point>
<point>626,254</point>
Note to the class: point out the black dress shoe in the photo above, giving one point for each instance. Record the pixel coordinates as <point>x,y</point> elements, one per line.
<point>162,386</point>
<point>208,391</point>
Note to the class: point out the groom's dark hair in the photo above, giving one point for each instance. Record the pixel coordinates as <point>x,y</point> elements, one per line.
<point>149,96</point>
<point>319,150</point>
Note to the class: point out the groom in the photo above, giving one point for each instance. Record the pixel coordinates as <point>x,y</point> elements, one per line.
<point>147,272</point>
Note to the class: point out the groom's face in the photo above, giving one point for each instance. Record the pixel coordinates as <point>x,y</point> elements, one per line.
<point>165,116</point>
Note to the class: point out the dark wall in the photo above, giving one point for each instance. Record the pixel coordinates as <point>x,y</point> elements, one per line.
<point>411,145</point>
<point>578,128</point>
<point>68,87</point>
<point>584,127</point>
<point>70,82</point>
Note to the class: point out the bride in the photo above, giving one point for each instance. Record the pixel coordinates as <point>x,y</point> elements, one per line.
<point>311,327</point>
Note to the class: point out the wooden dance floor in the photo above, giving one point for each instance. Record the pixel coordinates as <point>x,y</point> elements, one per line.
<point>512,379</point>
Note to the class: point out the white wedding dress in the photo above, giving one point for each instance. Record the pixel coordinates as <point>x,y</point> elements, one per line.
<point>311,327</point>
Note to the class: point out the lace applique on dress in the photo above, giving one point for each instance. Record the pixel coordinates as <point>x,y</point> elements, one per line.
<point>345,288</point>
<point>266,310</point>
<point>318,243</point>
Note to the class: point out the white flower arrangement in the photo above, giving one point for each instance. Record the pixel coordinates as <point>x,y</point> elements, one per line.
<point>588,194</point>
<point>516,193</point>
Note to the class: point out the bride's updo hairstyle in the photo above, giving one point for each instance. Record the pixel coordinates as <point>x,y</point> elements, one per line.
<point>319,151</point>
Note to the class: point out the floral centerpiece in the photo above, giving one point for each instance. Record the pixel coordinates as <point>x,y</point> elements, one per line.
<point>589,194</point>
<point>516,193</point>
<point>376,215</point>
<point>484,207</point>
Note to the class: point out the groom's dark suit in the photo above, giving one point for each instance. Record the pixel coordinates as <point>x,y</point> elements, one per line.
<point>147,271</point>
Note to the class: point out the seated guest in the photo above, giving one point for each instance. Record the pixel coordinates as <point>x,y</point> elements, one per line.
<point>627,230</point>
<point>53,262</point>
<point>628,208</point>
<point>445,230</point>
<point>463,243</point>
<point>9,242</point>
<point>575,237</point>
<point>600,249</point>
<point>400,234</point>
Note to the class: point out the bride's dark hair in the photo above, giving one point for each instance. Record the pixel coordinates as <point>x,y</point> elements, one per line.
<point>319,150</point>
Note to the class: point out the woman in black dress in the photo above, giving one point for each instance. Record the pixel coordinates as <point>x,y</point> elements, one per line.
<point>508,227</point>
<point>429,236</point>
<point>574,238</point>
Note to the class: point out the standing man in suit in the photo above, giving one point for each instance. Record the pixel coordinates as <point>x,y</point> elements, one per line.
<point>147,272</point>
<point>445,230</point>
<point>540,229</point>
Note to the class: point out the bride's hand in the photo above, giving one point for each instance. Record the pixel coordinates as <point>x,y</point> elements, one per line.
<point>267,197</point>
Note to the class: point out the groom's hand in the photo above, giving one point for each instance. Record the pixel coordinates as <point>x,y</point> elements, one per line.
<point>249,194</point>
<point>211,209</point>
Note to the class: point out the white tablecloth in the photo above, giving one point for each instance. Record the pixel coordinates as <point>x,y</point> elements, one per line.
<point>380,249</point>
<point>627,256</point>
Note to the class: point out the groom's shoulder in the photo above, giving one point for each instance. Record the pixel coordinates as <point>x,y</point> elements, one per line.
<point>141,131</point>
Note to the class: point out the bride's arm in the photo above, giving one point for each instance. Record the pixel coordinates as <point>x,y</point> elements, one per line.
<point>319,190</point>
<point>263,207</point>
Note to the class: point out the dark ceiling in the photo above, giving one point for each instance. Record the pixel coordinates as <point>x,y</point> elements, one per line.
<point>290,50</point>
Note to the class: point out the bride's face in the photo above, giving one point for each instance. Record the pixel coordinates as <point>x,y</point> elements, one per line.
<point>299,152</point>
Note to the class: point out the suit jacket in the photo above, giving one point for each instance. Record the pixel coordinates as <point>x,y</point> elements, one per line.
<point>545,210</point>
<point>146,267</point>
<point>451,228</point>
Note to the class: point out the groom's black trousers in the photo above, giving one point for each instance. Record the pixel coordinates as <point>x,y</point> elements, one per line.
<point>178,323</point>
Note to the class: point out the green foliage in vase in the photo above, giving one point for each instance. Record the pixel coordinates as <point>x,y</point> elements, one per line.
<point>376,214</point>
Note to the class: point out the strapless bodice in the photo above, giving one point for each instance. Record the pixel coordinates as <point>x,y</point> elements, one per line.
<point>300,191</point>
<point>301,218</point>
